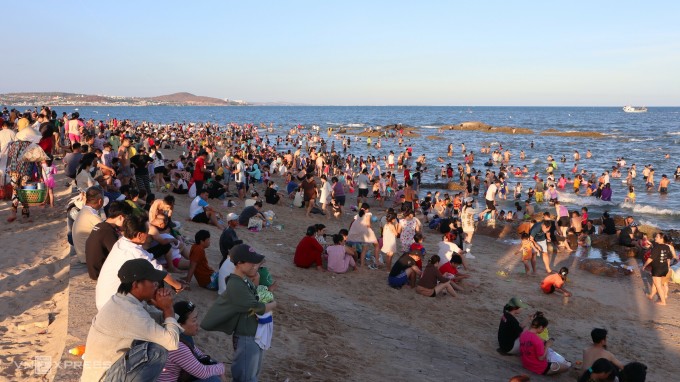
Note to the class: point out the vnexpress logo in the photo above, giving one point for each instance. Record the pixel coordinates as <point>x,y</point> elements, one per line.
<point>42,364</point>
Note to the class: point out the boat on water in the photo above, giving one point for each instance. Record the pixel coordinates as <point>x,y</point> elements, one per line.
<point>634,109</point>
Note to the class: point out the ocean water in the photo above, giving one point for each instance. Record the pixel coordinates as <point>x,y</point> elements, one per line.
<point>641,138</point>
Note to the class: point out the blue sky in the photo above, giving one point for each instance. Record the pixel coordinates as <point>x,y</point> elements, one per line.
<point>583,53</point>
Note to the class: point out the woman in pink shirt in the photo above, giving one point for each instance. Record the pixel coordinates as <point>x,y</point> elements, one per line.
<point>534,352</point>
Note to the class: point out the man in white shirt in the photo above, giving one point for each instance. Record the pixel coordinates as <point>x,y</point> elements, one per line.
<point>490,199</point>
<point>128,247</point>
<point>239,176</point>
<point>129,339</point>
<point>362,186</point>
<point>201,212</point>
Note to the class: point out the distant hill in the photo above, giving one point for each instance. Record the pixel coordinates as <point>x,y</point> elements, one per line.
<point>189,99</point>
<point>68,99</point>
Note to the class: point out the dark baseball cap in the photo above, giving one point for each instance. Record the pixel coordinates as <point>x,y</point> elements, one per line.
<point>515,302</point>
<point>243,253</point>
<point>139,269</point>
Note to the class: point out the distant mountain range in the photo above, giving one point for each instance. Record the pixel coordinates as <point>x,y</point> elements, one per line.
<point>72,99</point>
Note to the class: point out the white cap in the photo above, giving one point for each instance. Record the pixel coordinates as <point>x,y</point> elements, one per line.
<point>232,216</point>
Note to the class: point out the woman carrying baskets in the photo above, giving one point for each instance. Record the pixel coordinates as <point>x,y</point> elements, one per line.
<point>19,167</point>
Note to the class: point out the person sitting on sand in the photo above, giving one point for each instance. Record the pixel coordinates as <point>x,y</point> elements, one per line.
<point>555,282</point>
<point>88,217</point>
<point>201,212</point>
<point>308,251</point>
<point>104,236</point>
<point>404,271</point>
<point>339,260</point>
<point>128,247</point>
<point>432,282</point>
<point>510,328</point>
<point>534,352</point>
<point>199,267</point>
<point>251,212</point>
<point>599,350</point>
<point>128,332</point>
<point>188,358</point>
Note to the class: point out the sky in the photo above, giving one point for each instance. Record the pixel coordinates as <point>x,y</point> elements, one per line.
<point>476,53</point>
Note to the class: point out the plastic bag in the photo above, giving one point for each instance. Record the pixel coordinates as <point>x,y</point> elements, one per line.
<point>34,153</point>
<point>255,222</point>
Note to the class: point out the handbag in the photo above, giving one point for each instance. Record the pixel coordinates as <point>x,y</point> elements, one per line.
<point>185,376</point>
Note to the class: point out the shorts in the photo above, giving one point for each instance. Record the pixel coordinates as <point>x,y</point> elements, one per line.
<point>551,290</point>
<point>490,205</point>
<point>160,170</point>
<point>175,262</point>
<point>563,221</point>
<point>663,190</point>
<point>660,271</point>
<point>340,200</point>
<point>363,193</point>
<point>159,250</point>
<point>427,292</point>
<point>73,137</point>
<point>240,185</point>
<point>397,281</point>
<point>526,255</point>
<point>543,244</point>
<point>201,218</point>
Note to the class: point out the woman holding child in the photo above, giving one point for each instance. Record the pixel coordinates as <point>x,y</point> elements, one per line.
<point>361,233</point>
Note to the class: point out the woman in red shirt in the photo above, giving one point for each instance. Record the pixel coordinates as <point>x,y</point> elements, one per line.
<point>308,251</point>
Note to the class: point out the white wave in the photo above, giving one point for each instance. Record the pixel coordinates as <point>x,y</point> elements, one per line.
<point>641,140</point>
<point>334,123</point>
<point>430,127</point>
<point>651,210</point>
<point>581,200</point>
<point>536,160</point>
<point>674,133</point>
<point>647,222</point>
<point>355,125</point>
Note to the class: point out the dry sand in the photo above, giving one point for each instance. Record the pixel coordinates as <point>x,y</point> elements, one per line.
<point>350,327</point>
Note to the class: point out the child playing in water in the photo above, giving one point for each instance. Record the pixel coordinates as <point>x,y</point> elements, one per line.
<point>518,190</point>
<point>631,195</point>
<point>528,254</point>
<point>48,177</point>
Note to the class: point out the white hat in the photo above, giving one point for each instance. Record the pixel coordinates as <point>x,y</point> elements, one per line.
<point>469,199</point>
<point>232,216</point>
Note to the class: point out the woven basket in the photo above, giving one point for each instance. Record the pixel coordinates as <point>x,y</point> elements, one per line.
<point>32,197</point>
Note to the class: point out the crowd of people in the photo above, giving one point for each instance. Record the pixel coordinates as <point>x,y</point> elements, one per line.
<point>127,233</point>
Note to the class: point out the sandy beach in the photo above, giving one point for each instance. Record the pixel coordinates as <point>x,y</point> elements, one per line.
<point>328,327</point>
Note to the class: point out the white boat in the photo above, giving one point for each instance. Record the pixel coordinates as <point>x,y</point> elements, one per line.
<point>634,109</point>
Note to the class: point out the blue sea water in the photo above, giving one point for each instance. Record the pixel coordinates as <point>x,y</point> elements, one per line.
<point>641,138</point>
